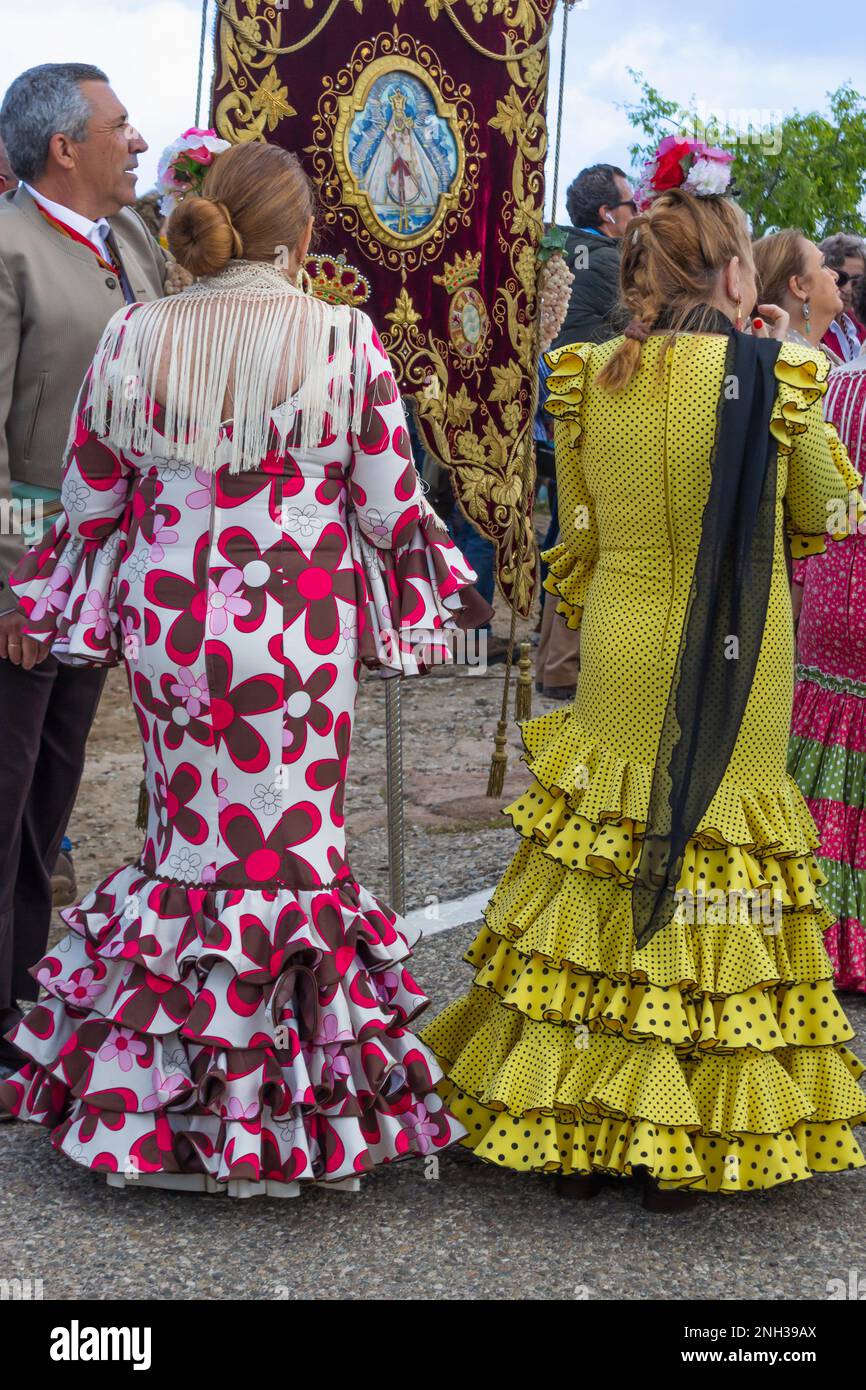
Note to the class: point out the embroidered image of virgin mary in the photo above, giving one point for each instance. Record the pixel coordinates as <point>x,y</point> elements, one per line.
<point>402,154</point>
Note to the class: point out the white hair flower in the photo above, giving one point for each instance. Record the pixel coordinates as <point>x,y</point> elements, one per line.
<point>708,177</point>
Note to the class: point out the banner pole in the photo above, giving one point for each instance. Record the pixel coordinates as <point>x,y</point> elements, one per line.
<point>202,42</point>
<point>394,793</point>
<point>560,105</point>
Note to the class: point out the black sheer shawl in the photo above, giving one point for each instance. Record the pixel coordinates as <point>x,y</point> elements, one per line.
<point>723,627</point>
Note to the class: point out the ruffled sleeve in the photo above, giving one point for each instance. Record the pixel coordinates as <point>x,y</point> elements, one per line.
<point>66,585</point>
<point>411,596</point>
<point>414,585</point>
<point>823,490</point>
<point>572,560</point>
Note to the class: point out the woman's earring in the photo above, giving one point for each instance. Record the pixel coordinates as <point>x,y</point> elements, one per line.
<point>806,315</point>
<point>739,314</point>
<point>303,280</point>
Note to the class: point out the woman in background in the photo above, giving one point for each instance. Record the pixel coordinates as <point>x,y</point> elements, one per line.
<point>827,752</point>
<point>793,274</point>
<point>846,255</point>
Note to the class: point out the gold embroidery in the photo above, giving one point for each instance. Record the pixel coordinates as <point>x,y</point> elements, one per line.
<point>333,279</point>
<point>404,312</point>
<point>249,36</point>
<point>461,271</point>
<point>271,99</point>
<point>352,208</point>
<point>402,150</point>
<point>486,445</point>
<point>469,326</point>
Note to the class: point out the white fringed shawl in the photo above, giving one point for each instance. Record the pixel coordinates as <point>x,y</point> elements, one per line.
<point>247,336</point>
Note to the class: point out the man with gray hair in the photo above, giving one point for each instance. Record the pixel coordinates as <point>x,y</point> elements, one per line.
<point>72,252</point>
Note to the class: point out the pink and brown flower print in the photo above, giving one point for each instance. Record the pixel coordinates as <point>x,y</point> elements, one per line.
<point>235,1003</point>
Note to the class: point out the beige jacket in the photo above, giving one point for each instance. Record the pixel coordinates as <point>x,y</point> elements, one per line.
<point>55,300</point>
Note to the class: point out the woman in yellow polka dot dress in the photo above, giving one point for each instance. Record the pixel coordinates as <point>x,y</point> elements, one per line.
<point>651,996</point>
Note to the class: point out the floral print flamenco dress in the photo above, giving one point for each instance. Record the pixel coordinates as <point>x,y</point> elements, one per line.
<point>230,1012</point>
<point>827,752</point>
<point>715,1055</point>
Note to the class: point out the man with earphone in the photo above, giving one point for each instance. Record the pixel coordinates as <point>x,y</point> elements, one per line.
<point>600,206</point>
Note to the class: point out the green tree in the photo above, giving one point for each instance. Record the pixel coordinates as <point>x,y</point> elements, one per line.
<point>806,171</point>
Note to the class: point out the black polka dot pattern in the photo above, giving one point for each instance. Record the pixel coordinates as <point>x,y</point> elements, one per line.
<point>716,1055</point>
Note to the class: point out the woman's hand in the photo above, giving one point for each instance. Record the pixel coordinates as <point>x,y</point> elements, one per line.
<point>774,322</point>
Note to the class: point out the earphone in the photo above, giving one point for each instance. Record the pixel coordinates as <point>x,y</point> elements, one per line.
<point>608,216</point>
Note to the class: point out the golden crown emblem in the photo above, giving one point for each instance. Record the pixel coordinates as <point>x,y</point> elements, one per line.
<point>459,272</point>
<point>337,282</point>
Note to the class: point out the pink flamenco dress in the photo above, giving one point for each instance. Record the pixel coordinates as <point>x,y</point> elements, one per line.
<point>230,1012</point>
<point>827,751</point>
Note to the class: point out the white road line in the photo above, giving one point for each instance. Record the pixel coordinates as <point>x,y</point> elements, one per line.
<point>439,916</point>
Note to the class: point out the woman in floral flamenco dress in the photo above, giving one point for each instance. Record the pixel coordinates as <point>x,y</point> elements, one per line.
<point>652,997</point>
<point>827,752</point>
<point>243,526</point>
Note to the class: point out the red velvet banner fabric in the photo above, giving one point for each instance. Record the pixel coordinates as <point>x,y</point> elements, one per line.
<point>423,125</point>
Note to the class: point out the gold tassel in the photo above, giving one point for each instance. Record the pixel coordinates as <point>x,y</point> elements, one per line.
<point>143,805</point>
<point>499,761</point>
<point>523,698</point>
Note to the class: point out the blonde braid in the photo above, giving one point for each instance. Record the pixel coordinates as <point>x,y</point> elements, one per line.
<point>672,258</point>
<point>637,296</point>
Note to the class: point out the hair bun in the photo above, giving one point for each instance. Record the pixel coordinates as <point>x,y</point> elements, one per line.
<point>202,237</point>
<point>236,236</point>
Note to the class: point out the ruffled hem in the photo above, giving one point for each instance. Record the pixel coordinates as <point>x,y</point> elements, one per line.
<point>845,943</point>
<point>238,1033</point>
<point>709,872</point>
<point>601,786</point>
<point>178,932</point>
<point>581,920</point>
<point>66,587</point>
<point>270,1148</point>
<point>518,1064</point>
<point>675,1158</point>
<point>411,597</point>
<point>829,711</point>
<point>559,943</point>
<point>844,887</point>
<point>763,1016</point>
<point>530,1077</point>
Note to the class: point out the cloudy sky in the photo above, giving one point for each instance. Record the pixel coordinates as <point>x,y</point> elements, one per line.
<point>765,55</point>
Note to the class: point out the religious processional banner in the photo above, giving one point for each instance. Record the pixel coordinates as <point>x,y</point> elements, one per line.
<point>422,123</point>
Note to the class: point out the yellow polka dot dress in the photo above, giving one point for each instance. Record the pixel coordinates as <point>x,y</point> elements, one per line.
<point>714,1056</point>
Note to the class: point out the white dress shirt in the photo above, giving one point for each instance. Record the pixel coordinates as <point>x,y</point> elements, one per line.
<point>94,232</point>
